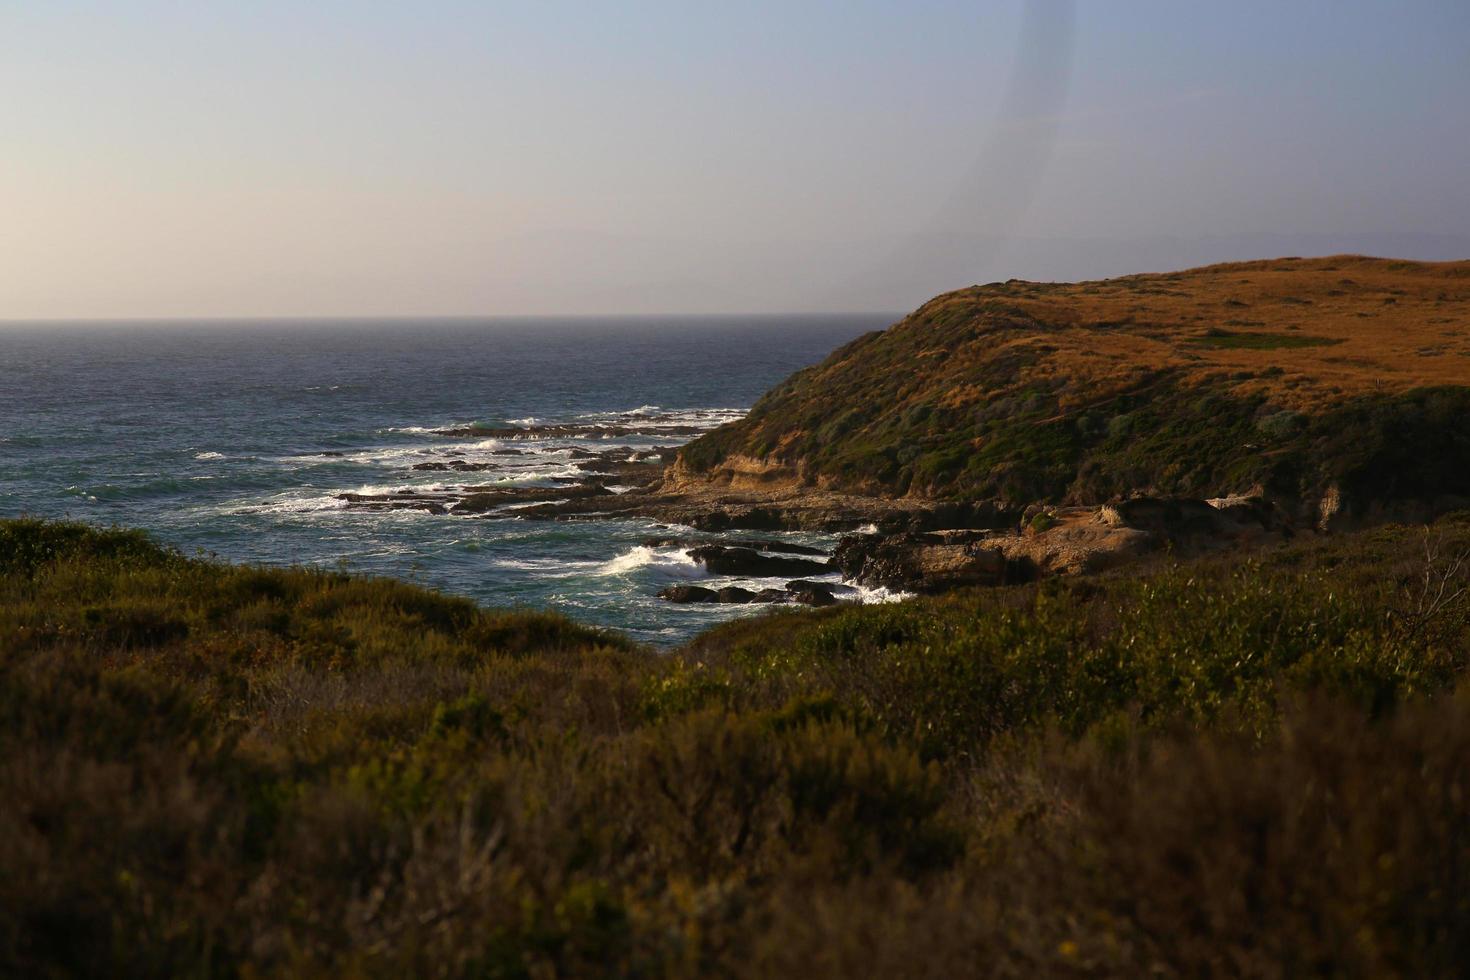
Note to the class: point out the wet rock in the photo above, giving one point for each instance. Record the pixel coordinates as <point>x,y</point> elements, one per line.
<point>630,474</point>
<point>739,518</point>
<point>813,597</point>
<point>481,499</point>
<point>569,430</point>
<point>835,588</point>
<point>395,501</point>
<point>754,545</point>
<point>748,563</point>
<point>456,466</point>
<point>772,596</point>
<point>734,594</point>
<point>924,562</point>
<point>688,593</point>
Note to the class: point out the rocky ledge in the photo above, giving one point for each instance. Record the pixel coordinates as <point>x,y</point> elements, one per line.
<point>756,559</point>
<point>1058,541</point>
<point>602,477</point>
<point>799,591</point>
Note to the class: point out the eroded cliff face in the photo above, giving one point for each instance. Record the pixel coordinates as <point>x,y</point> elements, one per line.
<point>736,473</point>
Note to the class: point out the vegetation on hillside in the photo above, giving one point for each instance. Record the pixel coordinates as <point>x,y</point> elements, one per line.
<point>1214,768</point>
<point>1292,375</point>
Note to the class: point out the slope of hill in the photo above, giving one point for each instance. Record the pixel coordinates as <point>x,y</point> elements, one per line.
<point>1344,378</point>
<point>211,770</point>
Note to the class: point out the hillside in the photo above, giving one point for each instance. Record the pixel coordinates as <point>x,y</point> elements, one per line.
<point>1345,378</point>
<point>212,770</point>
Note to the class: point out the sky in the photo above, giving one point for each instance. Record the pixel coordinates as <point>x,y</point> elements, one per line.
<point>365,158</point>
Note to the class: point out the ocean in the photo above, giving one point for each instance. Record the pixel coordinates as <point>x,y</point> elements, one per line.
<point>235,440</point>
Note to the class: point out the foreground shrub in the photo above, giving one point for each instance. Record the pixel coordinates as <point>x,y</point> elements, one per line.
<point>1211,769</point>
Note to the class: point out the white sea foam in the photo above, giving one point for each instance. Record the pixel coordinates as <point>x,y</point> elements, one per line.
<point>412,430</point>
<point>878,596</point>
<point>383,489</point>
<point>546,567</point>
<point>519,505</point>
<point>291,502</point>
<point>209,454</point>
<point>654,416</point>
<point>480,445</point>
<point>669,561</point>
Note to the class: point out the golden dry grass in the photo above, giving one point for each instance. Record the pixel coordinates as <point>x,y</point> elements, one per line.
<point>1390,325</point>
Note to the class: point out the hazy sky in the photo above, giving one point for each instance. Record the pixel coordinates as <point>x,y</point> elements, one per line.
<point>271,158</point>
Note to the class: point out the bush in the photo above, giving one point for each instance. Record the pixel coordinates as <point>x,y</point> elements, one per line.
<point>1208,768</point>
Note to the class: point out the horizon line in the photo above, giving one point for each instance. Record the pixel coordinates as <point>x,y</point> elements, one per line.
<point>404,317</point>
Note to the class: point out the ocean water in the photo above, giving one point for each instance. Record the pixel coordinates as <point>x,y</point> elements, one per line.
<point>235,440</point>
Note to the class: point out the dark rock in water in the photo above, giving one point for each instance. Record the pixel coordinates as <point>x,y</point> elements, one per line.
<point>568,430</point>
<point>814,597</point>
<point>507,452</point>
<point>752,564</point>
<point>772,596</point>
<point>733,593</point>
<point>835,588</point>
<point>924,562</point>
<point>753,545</point>
<point>688,593</point>
<point>482,499</point>
<point>455,465</point>
<point>631,474</point>
<point>747,519</point>
<point>401,500</point>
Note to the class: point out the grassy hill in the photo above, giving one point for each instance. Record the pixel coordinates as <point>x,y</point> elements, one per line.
<point>1293,375</point>
<point>1212,768</point>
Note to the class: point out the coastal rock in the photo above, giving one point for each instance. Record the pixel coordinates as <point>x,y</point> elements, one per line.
<point>482,499</point>
<point>753,545</point>
<point>799,585</point>
<point>1074,548</point>
<point>1197,525</point>
<point>455,466</point>
<point>734,594</point>
<point>688,593</point>
<point>925,562</point>
<point>403,500</point>
<point>568,430</point>
<point>737,519</point>
<point>745,562</point>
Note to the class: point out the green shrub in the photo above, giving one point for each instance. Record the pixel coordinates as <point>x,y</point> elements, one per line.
<point>1218,766</point>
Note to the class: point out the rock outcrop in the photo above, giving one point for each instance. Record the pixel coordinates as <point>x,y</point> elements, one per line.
<point>744,562</point>
<point>1057,541</point>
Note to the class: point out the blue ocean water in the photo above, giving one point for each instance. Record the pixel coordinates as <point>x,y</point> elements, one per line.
<point>212,437</point>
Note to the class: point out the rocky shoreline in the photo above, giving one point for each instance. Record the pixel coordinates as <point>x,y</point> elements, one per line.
<point>899,545</point>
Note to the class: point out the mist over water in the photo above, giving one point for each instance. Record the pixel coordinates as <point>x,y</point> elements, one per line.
<point>235,439</point>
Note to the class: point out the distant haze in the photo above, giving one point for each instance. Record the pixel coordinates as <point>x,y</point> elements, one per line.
<point>162,159</point>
